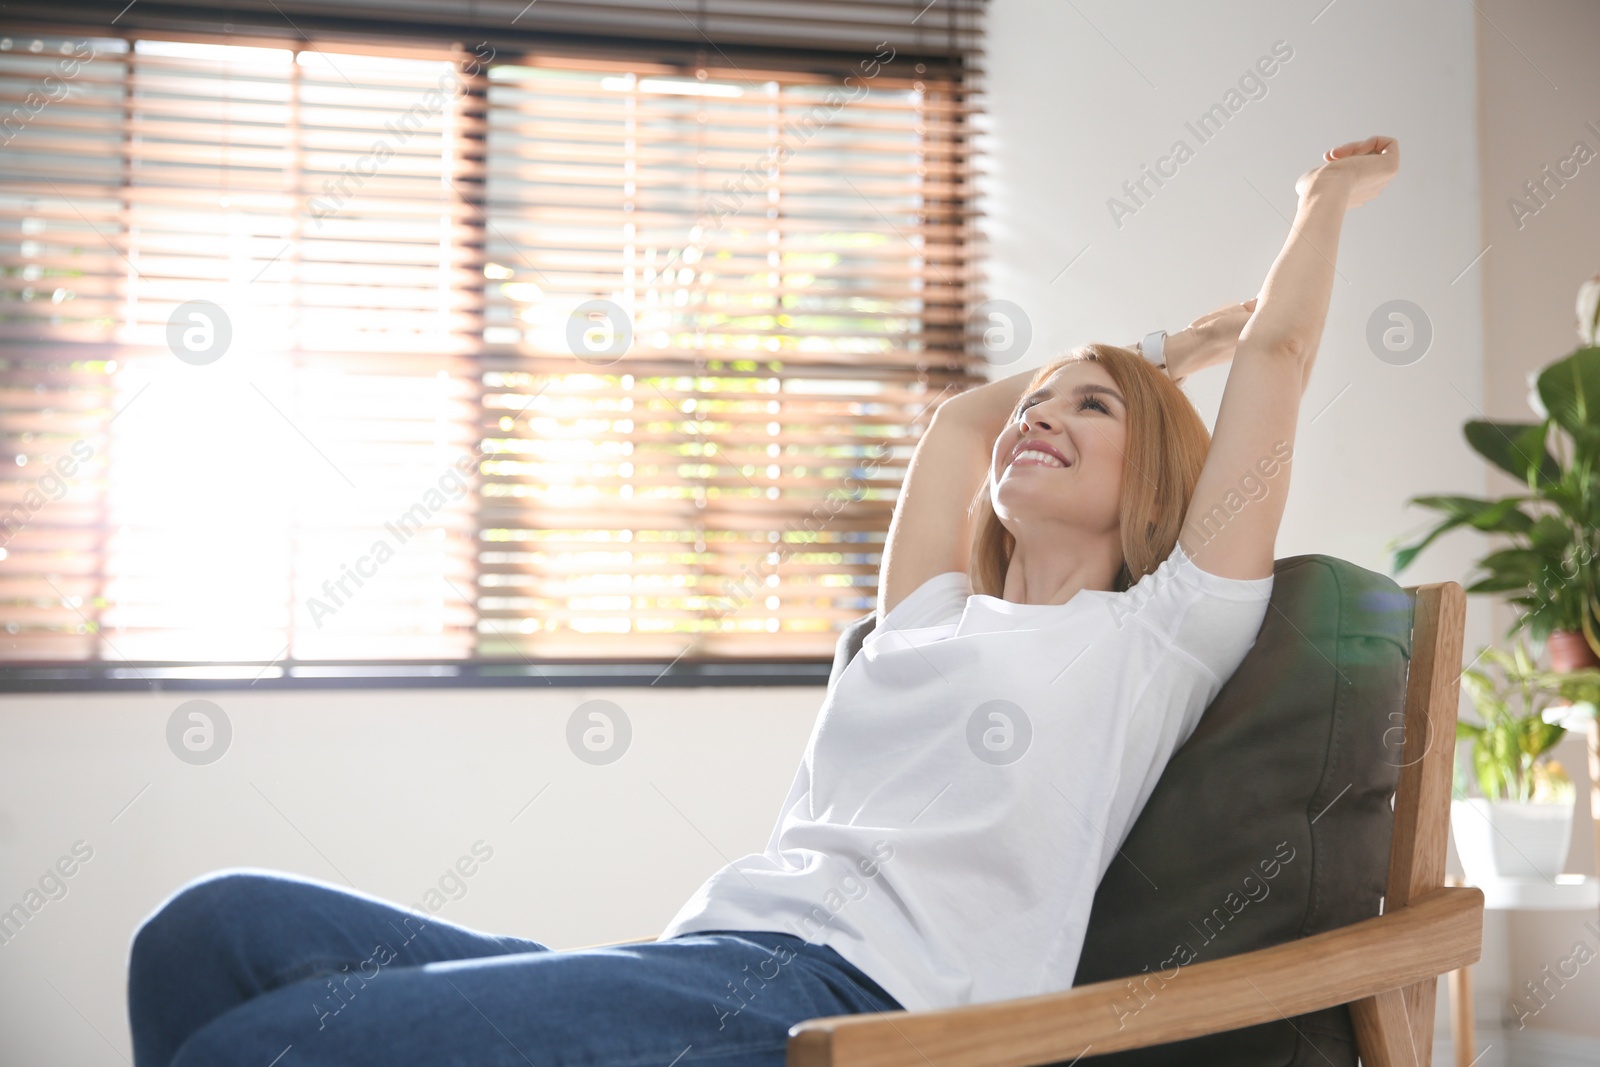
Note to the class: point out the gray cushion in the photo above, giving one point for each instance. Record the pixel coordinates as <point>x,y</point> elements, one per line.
<point>1272,821</point>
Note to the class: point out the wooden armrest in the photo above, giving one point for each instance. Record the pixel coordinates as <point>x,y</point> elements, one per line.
<point>1436,933</point>
<point>629,941</point>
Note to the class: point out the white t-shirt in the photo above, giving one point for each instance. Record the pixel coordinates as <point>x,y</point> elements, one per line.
<point>972,773</point>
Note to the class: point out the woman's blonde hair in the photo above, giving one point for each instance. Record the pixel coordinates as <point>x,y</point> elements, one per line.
<point>1166,448</point>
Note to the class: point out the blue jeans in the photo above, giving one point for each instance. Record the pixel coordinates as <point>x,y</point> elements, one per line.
<point>259,969</point>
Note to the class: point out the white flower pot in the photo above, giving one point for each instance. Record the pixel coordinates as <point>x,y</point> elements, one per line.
<point>1510,839</point>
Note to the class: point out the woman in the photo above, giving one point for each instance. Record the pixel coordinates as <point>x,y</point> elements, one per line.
<point>1037,658</point>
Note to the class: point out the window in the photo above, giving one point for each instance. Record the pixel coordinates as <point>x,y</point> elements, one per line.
<point>331,354</point>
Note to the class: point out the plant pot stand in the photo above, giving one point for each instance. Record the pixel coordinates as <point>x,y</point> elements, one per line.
<point>1570,651</point>
<point>1575,892</point>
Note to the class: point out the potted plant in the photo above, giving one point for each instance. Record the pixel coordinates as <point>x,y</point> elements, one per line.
<point>1522,824</point>
<point>1553,563</point>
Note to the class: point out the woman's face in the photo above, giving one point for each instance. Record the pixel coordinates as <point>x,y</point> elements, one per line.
<point>1079,414</point>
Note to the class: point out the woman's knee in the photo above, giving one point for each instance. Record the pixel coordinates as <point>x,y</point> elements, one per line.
<point>201,914</point>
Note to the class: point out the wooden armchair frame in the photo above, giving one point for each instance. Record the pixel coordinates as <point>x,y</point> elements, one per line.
<point>1386,968</point>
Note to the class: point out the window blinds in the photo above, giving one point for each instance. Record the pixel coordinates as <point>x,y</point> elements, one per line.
<point>527,355</point>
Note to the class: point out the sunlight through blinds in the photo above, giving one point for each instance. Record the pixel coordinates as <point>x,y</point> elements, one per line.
<point>346,354</point>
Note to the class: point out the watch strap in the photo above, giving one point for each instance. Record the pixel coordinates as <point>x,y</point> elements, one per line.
<point>1152,347</point>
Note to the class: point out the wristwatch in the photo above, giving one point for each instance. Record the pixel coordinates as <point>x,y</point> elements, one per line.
<point>1152,347</point>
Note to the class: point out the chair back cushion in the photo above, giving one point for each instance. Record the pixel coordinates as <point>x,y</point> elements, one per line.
<point>1271,822</point>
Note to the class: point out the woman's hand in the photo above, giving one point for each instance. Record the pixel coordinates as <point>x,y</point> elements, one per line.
<point>1208,341</point>
<point>1361,169</point>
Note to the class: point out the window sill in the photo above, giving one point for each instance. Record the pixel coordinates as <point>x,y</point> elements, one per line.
<point>391,674</point>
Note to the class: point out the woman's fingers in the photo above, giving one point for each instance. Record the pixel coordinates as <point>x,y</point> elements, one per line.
<point>1224,312</point>
<point>1369,164</point>
<point>1374,145</point>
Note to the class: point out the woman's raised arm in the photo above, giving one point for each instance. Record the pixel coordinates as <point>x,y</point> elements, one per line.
<point>1231,528</point>
<point>931,531</point>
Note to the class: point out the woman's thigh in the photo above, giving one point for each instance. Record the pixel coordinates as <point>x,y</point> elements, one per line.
<point>721,998</point>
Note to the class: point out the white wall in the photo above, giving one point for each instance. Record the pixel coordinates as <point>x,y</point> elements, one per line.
<point>390,787</point>
<point>384,788</point>
<point>1073,120</point>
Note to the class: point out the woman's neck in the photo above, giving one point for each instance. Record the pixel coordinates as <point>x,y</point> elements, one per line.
<point>1049,568</point>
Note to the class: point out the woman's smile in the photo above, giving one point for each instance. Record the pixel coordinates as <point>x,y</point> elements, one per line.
<point>1037,454</point>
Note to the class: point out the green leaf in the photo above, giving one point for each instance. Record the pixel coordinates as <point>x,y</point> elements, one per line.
<point>1570,390</point>
<point>1550,535</point>
<point>1579,687</point>
<point>1504,516</point>
<point>1591,627</point>
<point>1490,516</point>
<point>1498,583</point>
<point>1518,448</point>
<point>1526,564</point>
<point>1521,661</point>
<point>1478,684</point>
<point>1544,618</point>
<point>1403,558</point>
<point>1540,736</point>
<point>1490,777</point>
<point>1500,515</point>
<point>1569,496</point>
